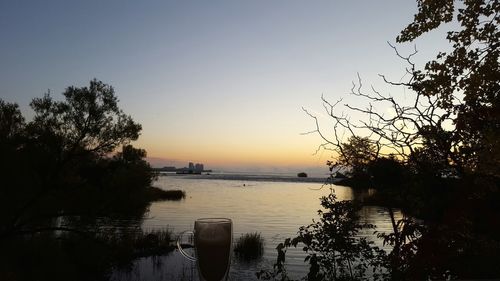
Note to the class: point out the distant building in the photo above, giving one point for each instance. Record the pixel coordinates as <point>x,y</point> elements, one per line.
<point>192,168</point>
<point>198,168</point>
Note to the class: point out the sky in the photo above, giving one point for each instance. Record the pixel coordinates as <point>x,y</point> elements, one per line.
<point>217,82</point>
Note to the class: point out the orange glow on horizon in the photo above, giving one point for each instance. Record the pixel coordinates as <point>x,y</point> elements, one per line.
<point>238,154</point>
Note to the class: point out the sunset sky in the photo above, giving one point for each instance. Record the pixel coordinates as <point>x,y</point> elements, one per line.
<point>218,82</point>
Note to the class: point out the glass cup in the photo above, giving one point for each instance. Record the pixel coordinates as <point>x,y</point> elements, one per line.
<point>213,240</point>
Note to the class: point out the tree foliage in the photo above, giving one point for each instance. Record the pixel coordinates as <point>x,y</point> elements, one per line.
<point>57,163</point>
<point>465,81</point>
<point>439,153</point>
<point>64,181</point>
<point>11,121</point>
<point>356,154</point>
<point>454,115</point>
<point>89,118</point>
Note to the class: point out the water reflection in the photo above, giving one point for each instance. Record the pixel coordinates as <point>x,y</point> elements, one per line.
<point>275,209</point>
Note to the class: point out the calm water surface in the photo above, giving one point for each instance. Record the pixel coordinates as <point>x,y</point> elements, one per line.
<point>274,209</point>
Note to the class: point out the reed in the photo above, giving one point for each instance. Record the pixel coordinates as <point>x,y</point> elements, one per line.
<point>249,246</point>
<point>153,242</point>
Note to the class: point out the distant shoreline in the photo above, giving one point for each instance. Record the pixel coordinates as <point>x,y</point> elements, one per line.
<point>253,177</point>
<point>180,170</point>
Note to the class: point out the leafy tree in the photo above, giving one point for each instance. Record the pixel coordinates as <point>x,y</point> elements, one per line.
<point>64,183</point>
<point>454,115</point>
<point>60,151</point>
<point>445,140</point>
<point>465,85</point>
<point>88,119</point>
<point>356,153</point>
<point>11,120</point>
<point>465,81</point>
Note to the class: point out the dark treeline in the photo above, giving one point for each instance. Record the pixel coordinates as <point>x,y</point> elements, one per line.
<point>64,184</point>
<point>436,157</point>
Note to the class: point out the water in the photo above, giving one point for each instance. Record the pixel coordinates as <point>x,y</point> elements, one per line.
<point>276,209</point>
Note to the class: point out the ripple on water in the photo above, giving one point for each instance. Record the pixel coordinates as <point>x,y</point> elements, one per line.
<point>274,209</point>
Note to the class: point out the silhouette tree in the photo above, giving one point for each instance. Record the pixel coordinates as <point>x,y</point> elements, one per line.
<point>89,119</point>
<point>464,81</point>
<point>64,139</point>
<point>452,123</point>
<point>444,142</point>
<point>65,182</point>
<point>11,121</point>
<point>356,153</point>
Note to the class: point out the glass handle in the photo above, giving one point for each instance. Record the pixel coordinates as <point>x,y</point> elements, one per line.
<point>183,253</point>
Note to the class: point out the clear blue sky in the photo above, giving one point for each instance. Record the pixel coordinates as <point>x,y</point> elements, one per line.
<point>219,82</point>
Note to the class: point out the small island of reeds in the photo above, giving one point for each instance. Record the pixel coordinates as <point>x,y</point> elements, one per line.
<point>249,246</point>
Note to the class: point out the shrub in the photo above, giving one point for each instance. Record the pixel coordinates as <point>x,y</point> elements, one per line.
<point>157,194</point>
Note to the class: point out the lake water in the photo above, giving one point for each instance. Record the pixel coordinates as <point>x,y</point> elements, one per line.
<point>273,206</point>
